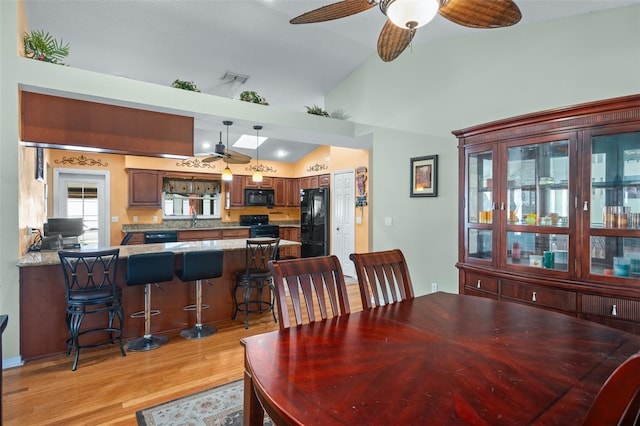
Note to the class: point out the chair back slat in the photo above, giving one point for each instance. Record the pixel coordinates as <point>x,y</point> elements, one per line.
<point>618,401</point>
<point>383,277</point>
<point>319,279</point>
<point>89,271</point>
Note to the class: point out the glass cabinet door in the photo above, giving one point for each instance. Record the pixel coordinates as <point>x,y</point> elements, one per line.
<point>480,205</point>
<point>615,205</point>
<point>537,215</point>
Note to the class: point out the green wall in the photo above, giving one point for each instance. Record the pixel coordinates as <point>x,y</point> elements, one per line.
<point>452,84</point>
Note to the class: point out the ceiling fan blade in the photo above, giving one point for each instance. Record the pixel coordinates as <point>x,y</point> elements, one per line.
<point>481,13</point>
<point>393,40</point>
<point>332,11</point>
<point>235,157</point>
<point>211,159</point>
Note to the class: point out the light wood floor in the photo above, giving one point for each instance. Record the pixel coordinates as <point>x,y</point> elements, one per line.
<point>108,389</point>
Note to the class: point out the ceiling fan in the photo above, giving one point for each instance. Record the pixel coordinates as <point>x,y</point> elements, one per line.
<point>222,152</point>
<point>405,16</point>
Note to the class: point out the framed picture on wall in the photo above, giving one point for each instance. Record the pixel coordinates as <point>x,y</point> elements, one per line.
<point>424,176</point>
<point>40,164</point>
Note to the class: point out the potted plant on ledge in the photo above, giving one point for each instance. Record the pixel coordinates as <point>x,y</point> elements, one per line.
<point>41,46</point>
<point>185,85</point>
<point>253,97</point>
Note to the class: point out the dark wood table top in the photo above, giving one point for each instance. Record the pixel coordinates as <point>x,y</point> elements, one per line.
<point>437,359</point>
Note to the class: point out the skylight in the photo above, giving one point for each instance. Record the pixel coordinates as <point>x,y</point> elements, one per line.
<point>249,141</point>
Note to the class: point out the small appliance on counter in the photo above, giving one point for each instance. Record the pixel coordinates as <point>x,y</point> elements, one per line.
<point>62,233</point>
<point>259,226</point>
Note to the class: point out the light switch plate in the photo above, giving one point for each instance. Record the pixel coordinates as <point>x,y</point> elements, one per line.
<point>115,219</point>
<point>388,221</point>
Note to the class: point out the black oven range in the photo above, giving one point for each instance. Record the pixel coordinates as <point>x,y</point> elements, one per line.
<point>259,226</point>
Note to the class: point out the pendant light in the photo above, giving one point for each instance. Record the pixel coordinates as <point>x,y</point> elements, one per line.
<point>257,174</point>
<point>227,175</point>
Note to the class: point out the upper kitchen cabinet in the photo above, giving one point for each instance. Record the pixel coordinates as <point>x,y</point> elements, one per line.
<point>267,182</point>
<point>235,191</point>
<point>549,210</point>
<point>324,181</point>
<point>145,189</point>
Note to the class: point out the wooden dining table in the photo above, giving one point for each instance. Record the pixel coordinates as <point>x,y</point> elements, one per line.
<point>442,359</point>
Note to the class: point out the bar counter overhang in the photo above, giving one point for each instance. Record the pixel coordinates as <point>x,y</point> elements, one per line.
<point>42,295</point>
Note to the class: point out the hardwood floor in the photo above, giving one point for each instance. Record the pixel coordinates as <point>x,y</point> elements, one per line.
<point>108,389</point>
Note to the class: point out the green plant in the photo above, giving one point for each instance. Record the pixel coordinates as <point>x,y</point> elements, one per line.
<point>42,46</point>
<point>253,97</point>
<point>185,85</point>
<point>316,110</point>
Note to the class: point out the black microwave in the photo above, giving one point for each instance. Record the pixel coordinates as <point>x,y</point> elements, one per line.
<point>258,197</point>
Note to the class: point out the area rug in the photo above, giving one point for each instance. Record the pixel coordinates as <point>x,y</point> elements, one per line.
<point>219,406</point>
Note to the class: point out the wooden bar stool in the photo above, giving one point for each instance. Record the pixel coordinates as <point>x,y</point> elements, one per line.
<point>198,266</point>
<point>147,269</point>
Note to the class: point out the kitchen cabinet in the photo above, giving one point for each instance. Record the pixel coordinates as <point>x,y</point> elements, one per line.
<point>549,211</point>
<point>230,234</point>
<point>145,189</point>
<point>292,191</point>
<point>290,233</point>
<point>199,234</point>
<point>235,191</point>
<point>280,194</point>
<point>324,181</point>
<point>267,182</point>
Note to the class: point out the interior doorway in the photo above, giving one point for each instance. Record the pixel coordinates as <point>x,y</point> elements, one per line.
<point>84,194</point>
<point>343,212</point>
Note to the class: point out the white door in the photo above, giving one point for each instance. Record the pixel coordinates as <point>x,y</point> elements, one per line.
<point>84,194</point>
<point>343,229</point>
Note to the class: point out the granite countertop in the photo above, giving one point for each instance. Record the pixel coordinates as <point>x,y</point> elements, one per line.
<point>50,257</point>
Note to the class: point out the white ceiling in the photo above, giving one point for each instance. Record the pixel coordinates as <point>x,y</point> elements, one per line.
<point>293,66</point>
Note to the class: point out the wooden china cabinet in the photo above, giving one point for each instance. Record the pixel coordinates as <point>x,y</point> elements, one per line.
<point>549,211</point>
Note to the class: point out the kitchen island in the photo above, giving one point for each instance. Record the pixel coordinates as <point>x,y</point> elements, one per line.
<point>42,295</point>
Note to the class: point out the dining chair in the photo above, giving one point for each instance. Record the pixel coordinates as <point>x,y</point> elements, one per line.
<point>383,277</point>
<point>319,279</point>
<point>618,401</point>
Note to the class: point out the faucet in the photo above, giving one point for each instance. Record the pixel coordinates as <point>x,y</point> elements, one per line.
<point>194,218</point>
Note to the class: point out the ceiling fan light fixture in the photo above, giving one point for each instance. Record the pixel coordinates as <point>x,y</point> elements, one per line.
<point>410,14</point>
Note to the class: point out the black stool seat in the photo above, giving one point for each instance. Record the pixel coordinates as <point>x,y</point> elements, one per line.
<point>198,266</point>
<point>146,269</point>
<point>255,278</point>
<point>91,288</point>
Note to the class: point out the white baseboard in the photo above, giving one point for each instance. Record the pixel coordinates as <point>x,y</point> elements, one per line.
<point>16,361</point>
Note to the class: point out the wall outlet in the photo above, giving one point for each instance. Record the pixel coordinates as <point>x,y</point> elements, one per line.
<point>135,218</point>
<point>359,220</point>
<point>434,287</point>
<point>115,219</point>
<point>155,218</point>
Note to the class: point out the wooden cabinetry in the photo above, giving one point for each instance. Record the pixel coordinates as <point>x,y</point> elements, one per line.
<point>235,191</point>
<point>200,234</point>
<point>292,191</point>
<point>145,189</point>
<point>550,211</point>
<point>324,181</point>
<point>267,182</point>
<point>230,234</point>
<point>318,181</point>
<point>290,233</point>
<point>280,193</point>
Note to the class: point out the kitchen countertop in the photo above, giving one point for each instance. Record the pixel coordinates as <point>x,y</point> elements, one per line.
<point>50,257</point>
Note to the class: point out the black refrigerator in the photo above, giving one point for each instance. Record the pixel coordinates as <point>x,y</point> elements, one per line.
<point>314,222</point>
